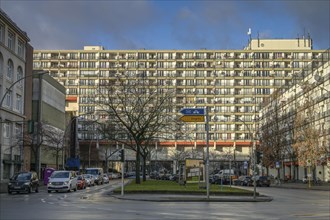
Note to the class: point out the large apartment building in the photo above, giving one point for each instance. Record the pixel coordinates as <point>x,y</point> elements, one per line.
<point>299,118</point>
<point>231,83</point>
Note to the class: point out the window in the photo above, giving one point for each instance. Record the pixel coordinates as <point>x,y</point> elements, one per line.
<point>19,103</point>
<point>6,130</point>
<point>11,40</point>
<point>2,33</point>
<point>10,69</point>
<point>8,99</point>
<point>19,77</point>
<point>18,130</point>
<point>21,48</point>
<point>1,65</point>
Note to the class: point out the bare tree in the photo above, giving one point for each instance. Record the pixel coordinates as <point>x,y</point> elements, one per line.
<point>55,139</point>
<point>138,112</point>
<point>272,140</point>
<point>309,134</point>
<point>37,141</point>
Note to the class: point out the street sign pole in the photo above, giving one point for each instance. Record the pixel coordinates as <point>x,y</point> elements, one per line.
<point>122,173</point>
<point>198,115</point>
<point>207,155</point>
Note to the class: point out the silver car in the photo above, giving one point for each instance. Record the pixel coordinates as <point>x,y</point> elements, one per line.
<point>89,179</point>
<point>62,181</point>
<point>105,178</point>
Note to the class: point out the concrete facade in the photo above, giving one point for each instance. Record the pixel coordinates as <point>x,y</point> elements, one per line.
<point>231,83</point>
<point>307,97</point>
<point>15,66</point>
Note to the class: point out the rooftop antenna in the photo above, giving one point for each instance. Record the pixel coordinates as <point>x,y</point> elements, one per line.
<point>304,37</point>
<point>258,40</point>
<point>249,34</point>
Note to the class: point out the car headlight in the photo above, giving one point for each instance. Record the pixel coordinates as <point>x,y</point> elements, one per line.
<point>66,182</point>
<point>9,184</point>
<point>27,183</point>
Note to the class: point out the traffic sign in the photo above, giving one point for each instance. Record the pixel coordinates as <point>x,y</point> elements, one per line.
<point>192,111</point>
<point>245,165</point>
<point>192,118</point>
<point>309,162</point>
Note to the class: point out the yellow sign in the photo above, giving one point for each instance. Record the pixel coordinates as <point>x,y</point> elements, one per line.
<point>192,118</point>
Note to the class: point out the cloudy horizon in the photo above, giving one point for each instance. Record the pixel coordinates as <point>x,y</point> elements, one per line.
<point>136,24</point>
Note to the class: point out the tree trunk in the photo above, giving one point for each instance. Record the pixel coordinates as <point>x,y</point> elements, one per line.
<point>57,152</point>
<point>144,166</point>
<point>137,165</point>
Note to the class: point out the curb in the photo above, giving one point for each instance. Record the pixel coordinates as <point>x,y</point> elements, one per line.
<point>181,198</point>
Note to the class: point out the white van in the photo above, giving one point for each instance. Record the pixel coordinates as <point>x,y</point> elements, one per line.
<point>62,180</point>
<point>97,173</point>
<point>224,173</point>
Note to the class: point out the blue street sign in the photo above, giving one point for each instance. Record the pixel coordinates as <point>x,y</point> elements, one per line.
<point>245,165</point>
<point>192,111</point>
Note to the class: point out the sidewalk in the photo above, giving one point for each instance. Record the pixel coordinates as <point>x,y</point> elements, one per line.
<point>322,187</point>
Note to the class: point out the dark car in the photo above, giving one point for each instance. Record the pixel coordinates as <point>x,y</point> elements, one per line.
<point>263,181</point>
<point>243,181</point>
<point>24,182</point>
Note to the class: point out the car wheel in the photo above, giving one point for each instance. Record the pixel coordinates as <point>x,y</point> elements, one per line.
<point>75,189</point>
<point>49,191</point>
<point>10,192</point>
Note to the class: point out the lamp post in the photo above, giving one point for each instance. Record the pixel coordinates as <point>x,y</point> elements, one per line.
<point>1,102</point>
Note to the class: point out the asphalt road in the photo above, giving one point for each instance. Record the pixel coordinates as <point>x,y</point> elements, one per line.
<point>95,203</point>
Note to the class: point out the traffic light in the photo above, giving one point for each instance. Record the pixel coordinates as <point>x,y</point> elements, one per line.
<point>30,126</point>
<point>259,157</point>
<point>122,155</point>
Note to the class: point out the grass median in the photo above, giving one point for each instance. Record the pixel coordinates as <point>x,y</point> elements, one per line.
<point>172,187</point>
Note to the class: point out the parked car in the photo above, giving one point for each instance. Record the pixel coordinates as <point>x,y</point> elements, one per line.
<point>243,181</point>
<point>89,179</point>
<point>97,172</point>
<point>105,178</point>
<point>113,176</point>
<point>63,180</point>
<point>263,181</point>
<point>81,182</point>
<point>24,182</point>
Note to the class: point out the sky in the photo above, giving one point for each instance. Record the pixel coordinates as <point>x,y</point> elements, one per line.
<point>165,24</point>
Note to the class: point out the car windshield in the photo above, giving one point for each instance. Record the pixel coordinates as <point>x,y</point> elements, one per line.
<point>80,178</point>
<point>87,176</point>
<point>93,172</point>
<point>60,175</point>
<point>22,176</point>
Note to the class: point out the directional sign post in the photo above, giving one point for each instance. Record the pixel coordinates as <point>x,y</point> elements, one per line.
<point>192,114</point>
<point>198,115</point>
<point>192,111</point>
<point>192,118</point>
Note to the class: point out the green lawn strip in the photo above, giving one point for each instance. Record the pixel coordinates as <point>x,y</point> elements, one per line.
<point>172,187</point>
